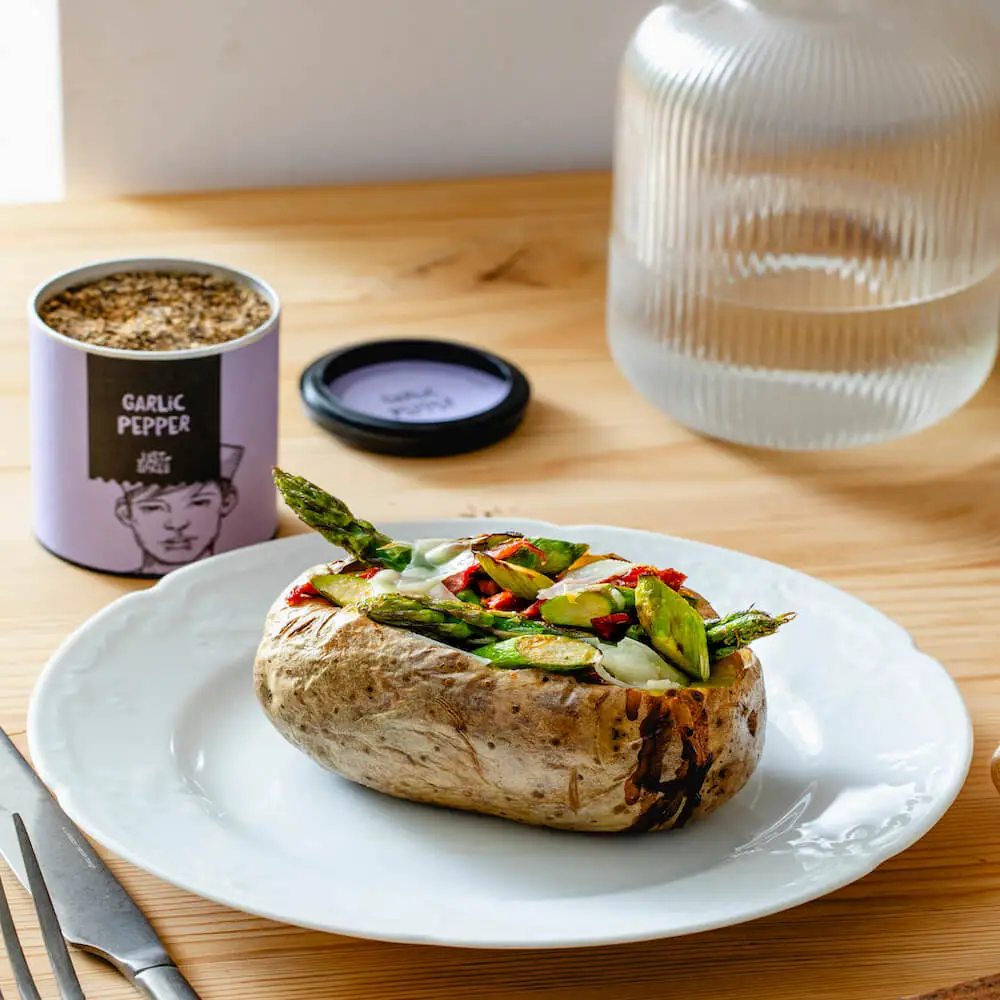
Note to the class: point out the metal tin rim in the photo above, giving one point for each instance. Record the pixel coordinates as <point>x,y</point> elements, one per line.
<point>185,265</point>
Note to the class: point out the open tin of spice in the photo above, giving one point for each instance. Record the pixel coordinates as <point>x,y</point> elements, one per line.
<point>154,413</point>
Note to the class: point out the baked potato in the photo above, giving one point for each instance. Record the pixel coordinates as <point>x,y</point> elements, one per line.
<point>477,674</point>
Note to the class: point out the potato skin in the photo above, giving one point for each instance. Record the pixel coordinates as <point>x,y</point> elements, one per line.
<point>418,720</point>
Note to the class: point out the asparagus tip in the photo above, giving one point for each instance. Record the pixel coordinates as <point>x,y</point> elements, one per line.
<point>283,480</point>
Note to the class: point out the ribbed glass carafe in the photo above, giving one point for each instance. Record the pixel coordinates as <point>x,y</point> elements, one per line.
<point>805,250</point>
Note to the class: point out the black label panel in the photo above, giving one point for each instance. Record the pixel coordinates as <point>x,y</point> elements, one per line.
<point>153,421</point>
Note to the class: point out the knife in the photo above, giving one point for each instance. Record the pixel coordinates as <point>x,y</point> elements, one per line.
<point>96,913</point>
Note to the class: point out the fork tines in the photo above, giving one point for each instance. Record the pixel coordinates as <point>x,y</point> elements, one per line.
<point>55,943</point>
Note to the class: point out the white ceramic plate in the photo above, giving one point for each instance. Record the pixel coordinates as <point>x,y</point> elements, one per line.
<point>145,726</point>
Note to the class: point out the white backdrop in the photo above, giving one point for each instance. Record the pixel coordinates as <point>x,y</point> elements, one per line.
<point>166,95</point>
<point>30,105</point>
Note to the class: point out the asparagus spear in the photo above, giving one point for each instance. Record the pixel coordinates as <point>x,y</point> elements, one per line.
<point>723,635</point>
<point>675,629</point>
<point>547,652</point>
<point>504,624</point>
<point>404,611</point>
<point>556,555</point>
<point>501,636</point>
<point>583,606</point>
<point>335,522</point>
<point>519,580</point>
<point>726,635</point>
<point>341,588</point>
<point>415,615</point>
<point>638,633</point>
<point>539,649</point>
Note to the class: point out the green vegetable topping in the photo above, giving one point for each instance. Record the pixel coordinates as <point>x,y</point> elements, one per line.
<point>676,630</point>
<point>651,630</point>
<point>548,652</point>
<point>332,519</point>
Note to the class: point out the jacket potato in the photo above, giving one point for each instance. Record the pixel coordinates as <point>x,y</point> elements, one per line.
<point>542,713</point>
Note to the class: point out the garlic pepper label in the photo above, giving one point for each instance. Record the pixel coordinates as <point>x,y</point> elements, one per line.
<point>153,421</point>
<point>170,417</point>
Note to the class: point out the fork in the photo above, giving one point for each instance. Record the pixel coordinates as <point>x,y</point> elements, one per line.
<point>55,943</point>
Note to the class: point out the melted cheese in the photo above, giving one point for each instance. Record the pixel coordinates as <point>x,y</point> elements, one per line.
<point>632,664</point>
<point>433,560</point>
<point>586,576</point>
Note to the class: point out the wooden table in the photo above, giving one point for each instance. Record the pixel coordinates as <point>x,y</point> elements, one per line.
<point>518,266</point>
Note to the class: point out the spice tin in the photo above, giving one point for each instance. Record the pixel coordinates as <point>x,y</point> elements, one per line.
<point>146,461</point>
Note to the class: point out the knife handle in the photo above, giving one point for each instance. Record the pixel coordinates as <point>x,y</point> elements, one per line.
<point>165,982</point>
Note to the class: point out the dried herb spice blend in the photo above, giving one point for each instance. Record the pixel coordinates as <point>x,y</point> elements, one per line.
<point>156,311</point>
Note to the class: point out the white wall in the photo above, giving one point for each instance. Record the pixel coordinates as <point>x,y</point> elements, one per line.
<point>30,128</point>
<point>163,95</point>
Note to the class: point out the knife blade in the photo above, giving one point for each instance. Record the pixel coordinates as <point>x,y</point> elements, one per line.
<point>96,913</point>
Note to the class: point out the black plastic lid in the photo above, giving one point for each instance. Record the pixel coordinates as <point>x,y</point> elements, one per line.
<point>419,398</point>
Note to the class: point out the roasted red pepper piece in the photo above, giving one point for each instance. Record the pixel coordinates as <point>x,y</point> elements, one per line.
<point>462,579</point>
<point>369,573</point>
<point>504,601</point>
<point>533,610</point>
<point>299,595</point>
<point>671,577</point>
<point>611,627</point>
<point>488,587</point>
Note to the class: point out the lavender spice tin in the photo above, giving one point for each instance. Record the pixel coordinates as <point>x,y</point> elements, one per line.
<point>146,460</point>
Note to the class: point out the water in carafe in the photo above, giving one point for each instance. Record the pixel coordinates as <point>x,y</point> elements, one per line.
<point>805,247</point>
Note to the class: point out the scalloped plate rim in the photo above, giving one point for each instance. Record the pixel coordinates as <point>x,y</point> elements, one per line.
<point>219,563</point>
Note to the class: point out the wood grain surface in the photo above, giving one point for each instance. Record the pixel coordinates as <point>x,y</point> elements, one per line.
<point>986,988</point>
<point>518,266</point>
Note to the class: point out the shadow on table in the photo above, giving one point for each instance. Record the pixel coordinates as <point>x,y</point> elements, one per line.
<point>899,479</point>
<point>544,448</point>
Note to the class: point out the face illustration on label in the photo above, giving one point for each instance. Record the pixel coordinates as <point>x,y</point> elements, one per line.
<point>178,524</point>
<point>175,525</point>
